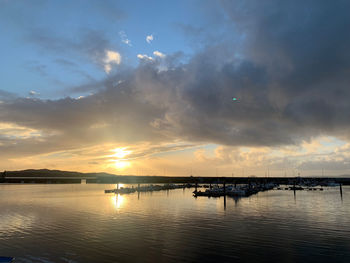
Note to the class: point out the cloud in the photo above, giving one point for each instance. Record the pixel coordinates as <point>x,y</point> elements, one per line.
<point>12,131</point>
<point>111,57</point>
<point>159,54</point>
<point>37,67</point>
<point>289,67</point>
<point>6,95</point>
<point>149,39</point>
<point>33,93</point>
<point>144,57</point>
<point>88,45</point>
<point>124,38</point>
<point>65,62</point>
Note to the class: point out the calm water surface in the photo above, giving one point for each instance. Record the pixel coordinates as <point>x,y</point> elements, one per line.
<point>79,223</point>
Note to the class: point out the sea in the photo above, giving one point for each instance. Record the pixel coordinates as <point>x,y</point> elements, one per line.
<point>80,223</point>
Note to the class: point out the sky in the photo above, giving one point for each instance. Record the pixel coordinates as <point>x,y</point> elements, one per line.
<point>176,88</point>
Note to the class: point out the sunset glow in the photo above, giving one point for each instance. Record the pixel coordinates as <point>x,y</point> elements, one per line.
<point>153,98</point>
<point>175,131</point>
<point>122,164</point>
<point>120,152</point>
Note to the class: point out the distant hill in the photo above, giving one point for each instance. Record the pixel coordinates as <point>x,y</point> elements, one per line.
<point>57,176</point>
<point>50,173</point>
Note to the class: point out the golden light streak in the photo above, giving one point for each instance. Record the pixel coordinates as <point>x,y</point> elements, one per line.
<point>117,201</point>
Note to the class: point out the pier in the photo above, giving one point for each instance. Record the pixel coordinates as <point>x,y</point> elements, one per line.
<point>148,188</point>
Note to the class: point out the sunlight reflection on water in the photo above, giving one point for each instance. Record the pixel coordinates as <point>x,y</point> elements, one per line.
<point>117,200</point>
<point>79,223</point>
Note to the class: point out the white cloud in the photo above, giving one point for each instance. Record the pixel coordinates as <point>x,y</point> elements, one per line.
<point>127,41</point>
<point>149,39</point>
<point>111,57</point>
<point>159,54</point>
<point>124,38</point>
<point>107,68</point>
<point>144,57</point>
<point>33,93</point>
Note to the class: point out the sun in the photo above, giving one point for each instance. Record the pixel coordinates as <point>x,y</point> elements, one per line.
<point>119,159</point>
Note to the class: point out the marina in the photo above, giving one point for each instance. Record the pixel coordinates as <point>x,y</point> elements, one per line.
<point>215,191</point>
<point>232,190</point>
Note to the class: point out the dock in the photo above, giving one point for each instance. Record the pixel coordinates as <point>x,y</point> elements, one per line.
<point>148,188</point>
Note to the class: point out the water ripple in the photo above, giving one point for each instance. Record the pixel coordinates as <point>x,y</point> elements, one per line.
<point>79,223</point>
